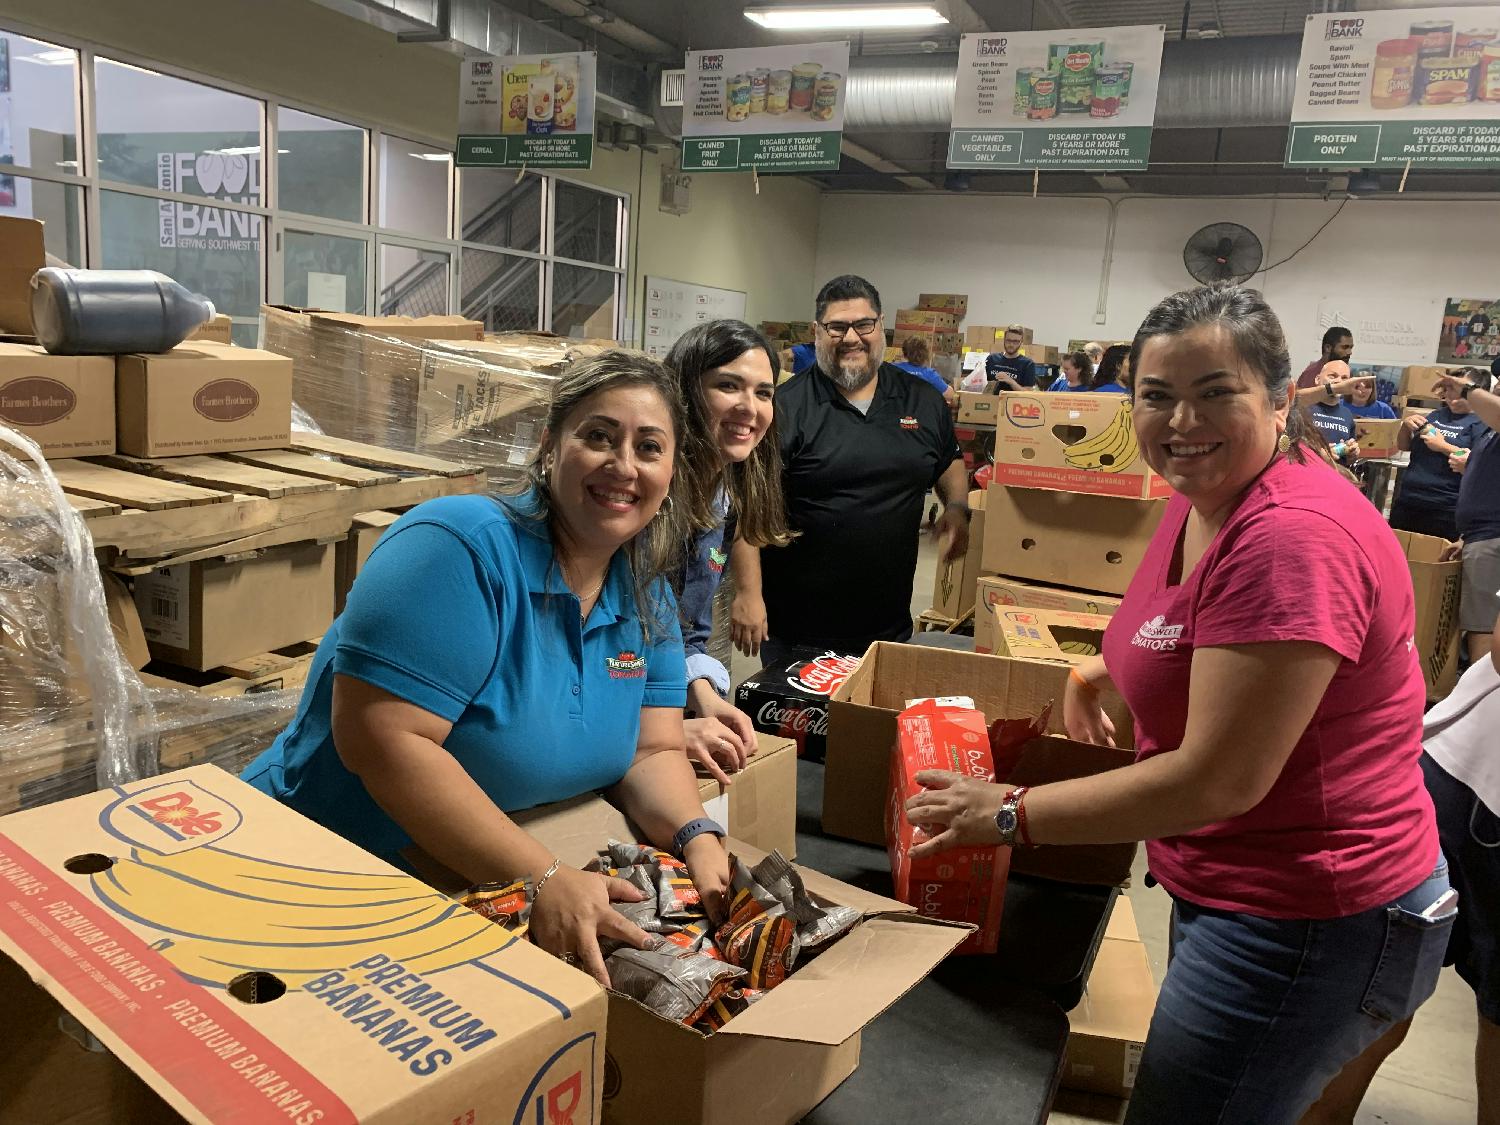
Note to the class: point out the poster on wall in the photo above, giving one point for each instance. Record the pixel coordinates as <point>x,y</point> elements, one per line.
<point>1384,88</point>
<point>1076,98</point>
<point>773,109</point>
<point>532,110</point>
<point>1470,332</point>
<point>672,307</point>
<point>1388,330</point>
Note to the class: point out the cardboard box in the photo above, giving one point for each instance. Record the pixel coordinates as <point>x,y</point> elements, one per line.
<point>1420,380</point>
<point>939,342</point>
<point>984,337</point>
<point>1067,538</point>
<point>64,403</point>
<point>760,807</point>
<point>862,730</point>
<point>1436,586</point>
<point>202,398</point>
<point>1377,436</point>
<point>954,583</point>
<point>956,303</point>
<point>321,1002</point>
<point>349,555</point>
<point>1059,635</point>
<point>217,331</point>
<point>1108,1027</point>
<point>204,614</point>
<point>1042,353</point>
<point>791,700</point>
<point>1071,441</point>
<point>23,251</point>
<point>963,884</point>
<point>917,319</point>
<point>995,591</point>
<point>791,1050</point>
<point>978,408</point>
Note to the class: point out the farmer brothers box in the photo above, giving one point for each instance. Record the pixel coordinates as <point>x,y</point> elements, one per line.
<point>238,963</point>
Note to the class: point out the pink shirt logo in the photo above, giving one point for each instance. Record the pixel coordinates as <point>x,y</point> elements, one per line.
<point>1157,635</point>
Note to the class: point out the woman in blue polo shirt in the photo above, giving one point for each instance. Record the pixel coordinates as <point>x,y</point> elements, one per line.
<point>498,654</point>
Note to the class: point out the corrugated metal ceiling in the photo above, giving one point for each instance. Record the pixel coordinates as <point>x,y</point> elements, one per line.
<point>1234,17</point>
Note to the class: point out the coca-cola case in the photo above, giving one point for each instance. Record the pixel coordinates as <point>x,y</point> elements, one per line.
<point>791,699</point>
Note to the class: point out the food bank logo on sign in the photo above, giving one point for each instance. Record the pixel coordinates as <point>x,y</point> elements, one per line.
<point>1157,635</point>
<point>171,818</point>
<point>1344,29</point>
<point>824,675</point>
<point>1025,412</point>
<point>713,63</point>
<point>562,1093</point>
<point>991,47</point>
<point>218,175</point>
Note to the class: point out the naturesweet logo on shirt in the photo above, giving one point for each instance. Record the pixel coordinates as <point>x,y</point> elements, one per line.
<point>626,666</point>
<point>1157,635</point>
<point>910,423</point>
<point>717,559</point>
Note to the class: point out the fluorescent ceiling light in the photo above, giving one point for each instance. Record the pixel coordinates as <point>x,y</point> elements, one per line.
<point>50,58</point>
<point>443,156</point>
<point>810,17</point>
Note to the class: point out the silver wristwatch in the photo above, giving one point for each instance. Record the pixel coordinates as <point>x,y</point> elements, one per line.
<point>1008,819</point>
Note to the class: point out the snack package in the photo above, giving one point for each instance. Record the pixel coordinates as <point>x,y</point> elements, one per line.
<point>508,905</point>
<point>680,986</point>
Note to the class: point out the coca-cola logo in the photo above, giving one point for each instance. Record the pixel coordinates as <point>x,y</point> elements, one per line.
<point>792,718</point>
<point>226,400</point>
<point>35,401</point>
<point>824,675</point>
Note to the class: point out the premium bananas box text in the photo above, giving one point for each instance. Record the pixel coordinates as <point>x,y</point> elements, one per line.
<point>1072,442</point>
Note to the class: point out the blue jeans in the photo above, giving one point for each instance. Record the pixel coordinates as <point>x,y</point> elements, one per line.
<point>1257,1015</point>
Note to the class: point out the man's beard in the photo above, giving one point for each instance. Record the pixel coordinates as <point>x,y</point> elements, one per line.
<point>850,375</point>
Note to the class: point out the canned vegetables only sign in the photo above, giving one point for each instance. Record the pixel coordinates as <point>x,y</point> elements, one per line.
<point>774,109</point>
<point>1383,88</point>
<point>1080,98</point>
<point>532,110</point>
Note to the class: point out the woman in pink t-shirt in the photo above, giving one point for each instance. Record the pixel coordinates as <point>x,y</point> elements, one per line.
<point>1265,648</point>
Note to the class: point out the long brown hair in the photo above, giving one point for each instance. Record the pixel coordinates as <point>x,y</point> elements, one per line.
<point>754,485</point>
<point>655,551</point>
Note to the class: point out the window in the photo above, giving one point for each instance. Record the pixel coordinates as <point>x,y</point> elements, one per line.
<point>501,211</point>
<point>320,167</point>
<point>39,121</point>
<point>502,290</point>
<point>414,181</point>
<point>324,271</point>
<point>58,206</point>
<point>587,224</point>
<point>413,281</point>
<point>583,302</point>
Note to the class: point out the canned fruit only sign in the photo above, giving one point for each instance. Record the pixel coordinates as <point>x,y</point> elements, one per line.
<point>773,109</point>
<point>531,110</point>
<point>1381,89</point>
<point>1080,98</point>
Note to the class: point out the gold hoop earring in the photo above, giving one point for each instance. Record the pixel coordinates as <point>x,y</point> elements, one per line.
<point>1284,443</point>
<point>666,507</point>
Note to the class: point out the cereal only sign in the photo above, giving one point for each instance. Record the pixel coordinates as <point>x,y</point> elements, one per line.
<point>1419,85</point>
<point>531,110</point>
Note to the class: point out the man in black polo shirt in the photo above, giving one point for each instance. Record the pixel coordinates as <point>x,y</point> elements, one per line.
<point>861,443</point>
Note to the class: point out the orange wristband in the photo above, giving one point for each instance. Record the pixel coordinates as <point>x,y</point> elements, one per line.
<point>1077,677</point>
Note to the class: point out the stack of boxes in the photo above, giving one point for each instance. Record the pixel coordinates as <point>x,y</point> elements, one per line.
<point>937,319</point>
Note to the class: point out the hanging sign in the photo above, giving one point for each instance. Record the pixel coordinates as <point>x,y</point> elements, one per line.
<point>1080,98</point>
<point>532,110</point>
<point>773,109</point>
<point>1384,88</point>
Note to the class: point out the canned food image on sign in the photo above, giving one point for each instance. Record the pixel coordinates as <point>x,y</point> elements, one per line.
<point>760,83</point>
<point>804,78</point>
<point>1023,88</point>
<point>826,96</point>
<point>1395,73</point>
<point>779,91</point>
<point>36,401</point>
<point>1109,85</point>
<point>1043,97</point>
<point>226,400</point>
<point>737,98</point>
<point>1435,38</point>
<point>1446,81</point>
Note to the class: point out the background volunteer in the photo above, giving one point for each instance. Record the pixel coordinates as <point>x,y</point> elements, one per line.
<point>1008,369</point>
<point>915,357</point>
<point>1330,413</point>
<point>1077,373</point>
<point>1276,780</point>
<point>1478,520</point>
<point>1338,343</point>
<point>1112,370</point>
<point>1427,497</point>
<point>1364,402</point>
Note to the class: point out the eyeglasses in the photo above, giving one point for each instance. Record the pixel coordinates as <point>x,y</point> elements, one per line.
<point>838,329</point>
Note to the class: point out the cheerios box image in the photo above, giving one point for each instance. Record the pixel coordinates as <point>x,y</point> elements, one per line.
<point>1072,442</point>
<point>185,948</point>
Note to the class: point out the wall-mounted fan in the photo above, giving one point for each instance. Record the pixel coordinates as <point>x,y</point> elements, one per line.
<point>1222,252</point>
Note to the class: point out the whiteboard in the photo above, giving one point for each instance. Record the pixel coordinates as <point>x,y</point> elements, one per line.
<point>672,307</point>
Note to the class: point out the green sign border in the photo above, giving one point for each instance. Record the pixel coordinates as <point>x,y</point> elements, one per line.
<point>520,150</point>
<point>749,152</point>
<point>1391,145</point>
<point>1135,155</point>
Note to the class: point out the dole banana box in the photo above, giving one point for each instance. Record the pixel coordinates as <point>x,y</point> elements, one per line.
<point>1059,635</point>
<point>1377,436</point>
<point>1072,442</point>
<point>998,592</point>
<point>248,966</point>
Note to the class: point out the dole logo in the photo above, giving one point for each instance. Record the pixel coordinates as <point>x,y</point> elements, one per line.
<point>562,1092</point>
<point>226,400</point>
<point>171,818</point>
<point>824,675</point>
<point>1025,411</point>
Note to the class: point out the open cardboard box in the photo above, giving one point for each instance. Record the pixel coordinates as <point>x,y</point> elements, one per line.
<point>997,590</point>
<point>247,965</point>
<point>760,805</point>
<point>1107,1030</point>
<point>1436,586</point>
<point>862,735</point>
<point>954,583</point>
<point>1073,442</point>
<point>773,1063</point>
<point>1377,436</point>
<point>1057,635</point>
<point>976,408</point>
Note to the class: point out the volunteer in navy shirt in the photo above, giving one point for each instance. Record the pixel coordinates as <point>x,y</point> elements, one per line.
<point>915,356</point>
<point>1478,518</point>
<point>1008,369</point>
<point>1330,413</point>
<point>496,655</point>
<point>1427,498</point>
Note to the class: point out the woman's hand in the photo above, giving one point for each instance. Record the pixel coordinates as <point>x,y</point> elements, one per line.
<point>748,624</point>
<point>1084,717</point>
<point>1454,550</point>
<point>717,747</point>
<point>573,912</point>
<point>1458,460</point>
<point>1415,423</point>
<point>1435,441</point>
<point>708,866</point>
<point>954,811</point>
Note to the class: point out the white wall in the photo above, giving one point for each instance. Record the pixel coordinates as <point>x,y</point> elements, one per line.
<point>1039,261</point>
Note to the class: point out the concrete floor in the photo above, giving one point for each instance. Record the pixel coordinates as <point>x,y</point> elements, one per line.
<point>1428,1081</point>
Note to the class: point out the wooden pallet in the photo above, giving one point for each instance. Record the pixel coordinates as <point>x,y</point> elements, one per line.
<point>285,669</point>
<point>149,512</point>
